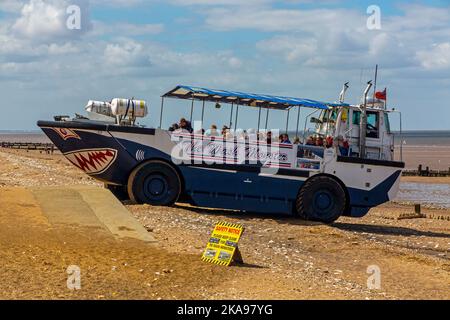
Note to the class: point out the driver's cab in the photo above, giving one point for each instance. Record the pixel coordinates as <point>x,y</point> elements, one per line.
<point>345,122</point>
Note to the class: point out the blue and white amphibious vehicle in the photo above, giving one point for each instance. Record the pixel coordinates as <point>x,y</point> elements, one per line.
<point>343,166</point>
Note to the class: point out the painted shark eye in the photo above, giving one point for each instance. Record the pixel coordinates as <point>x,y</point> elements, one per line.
<point>66,134</point>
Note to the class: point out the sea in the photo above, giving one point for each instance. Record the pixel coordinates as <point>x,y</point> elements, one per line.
<point>408,138</point>
<point>423,138</point>
<point>435,195</point>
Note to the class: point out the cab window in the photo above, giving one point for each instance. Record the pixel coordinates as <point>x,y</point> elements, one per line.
<point>356,117</point>
<point>387,123</point>
<point>373,122</point>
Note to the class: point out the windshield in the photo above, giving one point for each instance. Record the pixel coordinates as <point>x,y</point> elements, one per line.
<point>387,123</point>
<point>327,121</point>
<point>328,116</point>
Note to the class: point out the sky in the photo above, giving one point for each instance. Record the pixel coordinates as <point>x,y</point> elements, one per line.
<point>144,48</point>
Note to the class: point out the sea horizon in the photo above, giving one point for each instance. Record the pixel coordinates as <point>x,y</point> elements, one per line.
<point>407,138</point>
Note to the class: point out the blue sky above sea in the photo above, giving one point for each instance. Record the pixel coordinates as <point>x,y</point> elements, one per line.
<point>298,48</point>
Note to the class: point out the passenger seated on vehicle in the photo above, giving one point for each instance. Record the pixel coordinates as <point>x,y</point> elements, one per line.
<point>246,135</point>
<point>212,132</point>
<point>311,141</point>
<point>343,146</point>
<point>226,133</point>
<point>185,125</point>
<point>252,135</point>
<point>319,142</point>
<point>269,137</point>
<point>284,138</point>
<point>297,140</point>
<point>329,141</point>
<point>174,127</point>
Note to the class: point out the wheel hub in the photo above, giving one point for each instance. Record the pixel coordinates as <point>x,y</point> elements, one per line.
<point>156,186</point>
<point>323,201</point>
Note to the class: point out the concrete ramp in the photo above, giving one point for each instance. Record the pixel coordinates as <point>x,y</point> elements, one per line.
<point>89,207</point>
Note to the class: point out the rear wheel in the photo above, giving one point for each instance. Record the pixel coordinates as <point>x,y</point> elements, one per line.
<point>155,183</point>
<point>321,199</point>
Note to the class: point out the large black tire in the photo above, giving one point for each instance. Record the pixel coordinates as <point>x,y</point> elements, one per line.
<point>120,192</point>
<point>155,183</point>
<point>321,199</point>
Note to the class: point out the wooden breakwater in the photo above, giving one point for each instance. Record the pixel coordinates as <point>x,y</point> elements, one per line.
<point>48,148</point>
<point>427,172</point>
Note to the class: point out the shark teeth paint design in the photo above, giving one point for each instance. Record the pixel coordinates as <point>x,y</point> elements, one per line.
<point>92,161</point>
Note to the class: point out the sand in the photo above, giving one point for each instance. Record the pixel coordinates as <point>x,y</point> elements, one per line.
<point>435,157</point>
<point>440,180</point>
<point>285,258</point>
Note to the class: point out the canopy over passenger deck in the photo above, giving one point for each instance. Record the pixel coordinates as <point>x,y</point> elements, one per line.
<point>246,99</point>
<point>237,98</point>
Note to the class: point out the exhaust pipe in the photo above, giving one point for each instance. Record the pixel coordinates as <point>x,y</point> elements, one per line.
<point>363,123</point>
<point>343,92</point>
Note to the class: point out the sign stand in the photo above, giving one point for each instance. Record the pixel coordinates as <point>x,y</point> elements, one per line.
<point>237,257</point>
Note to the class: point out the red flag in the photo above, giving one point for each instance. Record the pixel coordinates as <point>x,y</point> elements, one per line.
<point>381,95</point>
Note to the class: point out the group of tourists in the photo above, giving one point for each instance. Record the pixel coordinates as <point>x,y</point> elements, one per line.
<point>340,143</point>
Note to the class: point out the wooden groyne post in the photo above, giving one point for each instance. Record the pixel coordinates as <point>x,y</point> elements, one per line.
<point>427,172</point>
<point>48,148</point>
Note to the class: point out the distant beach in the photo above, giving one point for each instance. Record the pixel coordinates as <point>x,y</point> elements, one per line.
<point>23,136</point>
<point>426,148</point>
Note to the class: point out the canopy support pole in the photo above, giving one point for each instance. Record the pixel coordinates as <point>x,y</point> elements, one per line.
<point>287,121</point>
<point>231,115</point>
<point>298,122</point>
<point>259,119</point>
<point>203,111</point>
<point>192,110</point>
<point>237,114</point>
<point>267,118</point>
<point>161,113</point>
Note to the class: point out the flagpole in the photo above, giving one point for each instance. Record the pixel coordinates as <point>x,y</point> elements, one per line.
<point>385,100</point>
<point>375,86</point>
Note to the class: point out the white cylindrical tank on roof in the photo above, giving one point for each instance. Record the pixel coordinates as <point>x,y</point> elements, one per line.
<point>100,107</point>
<point>130,108</point>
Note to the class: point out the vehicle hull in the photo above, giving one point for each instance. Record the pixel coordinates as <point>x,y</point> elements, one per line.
<point>110,153</point>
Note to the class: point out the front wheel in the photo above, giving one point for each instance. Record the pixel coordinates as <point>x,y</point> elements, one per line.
<point>321,199</point>
<point>155,183</point>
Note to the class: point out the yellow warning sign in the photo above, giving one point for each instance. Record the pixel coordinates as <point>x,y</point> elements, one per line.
<point>222,247</point>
